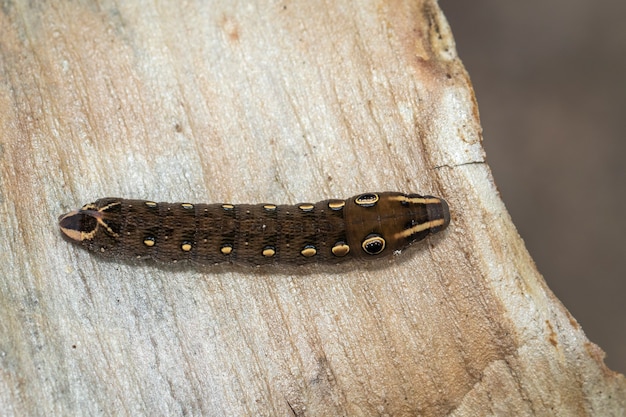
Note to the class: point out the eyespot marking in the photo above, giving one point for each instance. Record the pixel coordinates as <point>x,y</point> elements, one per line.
<point>367,200</point>
<point>373,244</point>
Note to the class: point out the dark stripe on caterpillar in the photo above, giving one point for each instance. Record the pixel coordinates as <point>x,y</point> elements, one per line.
<point>367,226</point>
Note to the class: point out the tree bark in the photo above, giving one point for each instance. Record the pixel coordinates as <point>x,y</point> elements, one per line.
<point>251,102</point>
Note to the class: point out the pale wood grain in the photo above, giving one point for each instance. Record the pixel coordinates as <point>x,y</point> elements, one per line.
<point>264,102</point>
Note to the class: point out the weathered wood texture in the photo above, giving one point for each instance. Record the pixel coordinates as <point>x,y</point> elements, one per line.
<point>264,102</point>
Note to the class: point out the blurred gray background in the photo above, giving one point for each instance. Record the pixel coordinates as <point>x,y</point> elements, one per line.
<point>550,79</point>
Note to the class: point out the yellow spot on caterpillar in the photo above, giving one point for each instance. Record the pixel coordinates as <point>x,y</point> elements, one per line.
<point>340,249</point>
<point>186,246</point>
<point>308,251</point>
<point>149,241</point>
<point>269,251</point>
<point>226,249</point>
<point>151,204</point>
<point>228,207</point>
<point>187,206</point>
<point>336,204</point>
<point>270,207</point>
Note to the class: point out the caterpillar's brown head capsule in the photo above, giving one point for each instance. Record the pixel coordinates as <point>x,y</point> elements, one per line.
<point>88,222</point>
<point>78,225</point>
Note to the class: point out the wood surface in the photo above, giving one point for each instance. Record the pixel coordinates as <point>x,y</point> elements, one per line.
<point>250,102</point>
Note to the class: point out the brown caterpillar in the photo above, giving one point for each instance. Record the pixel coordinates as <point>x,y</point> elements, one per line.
<point>367,226</point>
